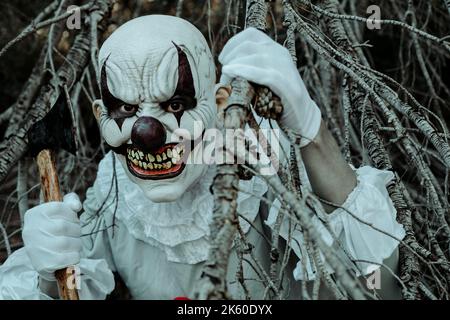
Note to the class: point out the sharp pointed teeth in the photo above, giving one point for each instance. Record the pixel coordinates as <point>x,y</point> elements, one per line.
<point>145,165</point>
<point>164,156</point>
<point>151,158</point>
<point>175,152</point>
<point>140,164</point>
<point>169,153</point>
<point>150,166</point>
<point>141,154</point>
<point>174,161</point>
<point>135,162</point>
<point>158,158</point>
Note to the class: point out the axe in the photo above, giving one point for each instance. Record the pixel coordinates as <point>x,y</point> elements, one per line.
<point>54,132</point>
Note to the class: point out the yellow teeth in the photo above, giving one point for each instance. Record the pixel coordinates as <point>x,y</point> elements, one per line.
<point>162,161</point>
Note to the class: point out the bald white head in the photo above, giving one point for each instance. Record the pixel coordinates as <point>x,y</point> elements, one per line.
<point>156,72</point>
<point>143,51</point>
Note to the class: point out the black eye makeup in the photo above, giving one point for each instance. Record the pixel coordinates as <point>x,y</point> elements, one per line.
<point>184,96</point>
<point>179,103</point>
<point>117,109</point>
<point>123,111</point>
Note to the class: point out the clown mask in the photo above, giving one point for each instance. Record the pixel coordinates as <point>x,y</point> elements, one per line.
<point>157,83</point>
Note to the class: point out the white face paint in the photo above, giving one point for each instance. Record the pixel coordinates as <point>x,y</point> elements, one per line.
<point>158,77</point>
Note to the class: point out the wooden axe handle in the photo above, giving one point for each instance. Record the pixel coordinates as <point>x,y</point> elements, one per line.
<point>51,192</point>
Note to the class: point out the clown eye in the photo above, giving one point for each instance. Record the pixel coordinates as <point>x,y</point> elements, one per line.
<point>123,111</point>
<point>127,110</point>
<point>178,103</point>
<point>175,107</point>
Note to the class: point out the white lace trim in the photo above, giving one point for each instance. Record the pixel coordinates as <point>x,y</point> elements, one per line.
<point>180,228</point>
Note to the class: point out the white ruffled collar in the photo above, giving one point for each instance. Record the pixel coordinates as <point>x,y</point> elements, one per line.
<point>179,228</point>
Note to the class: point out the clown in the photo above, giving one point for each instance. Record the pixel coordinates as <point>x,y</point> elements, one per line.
<point>157,81</point>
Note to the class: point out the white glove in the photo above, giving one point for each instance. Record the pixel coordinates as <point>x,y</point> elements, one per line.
<point>254,56</point>
<point>52,234</point>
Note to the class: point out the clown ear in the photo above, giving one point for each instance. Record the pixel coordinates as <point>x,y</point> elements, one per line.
<point>222,95</point>
<point>97,106</point>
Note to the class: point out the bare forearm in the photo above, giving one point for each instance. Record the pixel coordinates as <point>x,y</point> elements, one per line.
<point>331,177</point>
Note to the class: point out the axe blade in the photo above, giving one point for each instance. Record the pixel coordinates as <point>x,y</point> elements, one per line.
<point>55,131</point>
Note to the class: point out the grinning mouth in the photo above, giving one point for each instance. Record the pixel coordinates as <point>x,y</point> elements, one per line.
<point>166,162</point>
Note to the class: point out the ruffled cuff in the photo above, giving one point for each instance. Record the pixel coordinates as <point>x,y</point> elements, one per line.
<point>366,223</point>
<point>96,280</point>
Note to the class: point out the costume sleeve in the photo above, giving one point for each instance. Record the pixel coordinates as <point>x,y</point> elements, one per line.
<point>97,264</point>
<point>19,281</point>
<point>366,223</point>
<point>365,226</point>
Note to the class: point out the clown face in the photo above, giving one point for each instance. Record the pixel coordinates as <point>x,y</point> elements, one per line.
<point>157,84</point>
